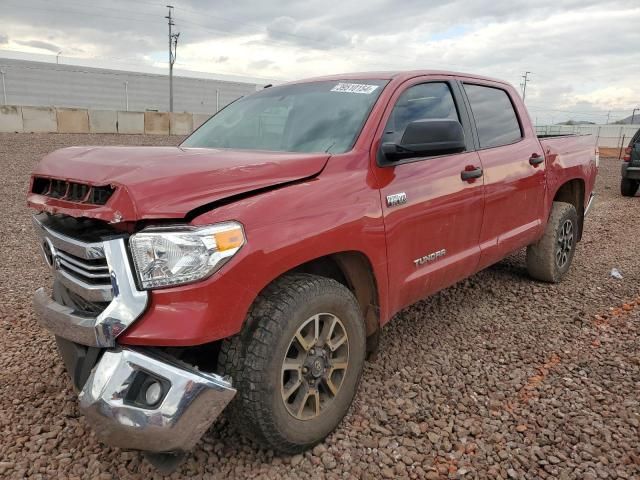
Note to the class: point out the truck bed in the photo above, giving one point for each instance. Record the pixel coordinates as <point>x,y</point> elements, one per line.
<point>568,157</point>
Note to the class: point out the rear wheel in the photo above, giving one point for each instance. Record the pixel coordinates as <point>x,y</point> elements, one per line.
<point>629,187</point>
<point>297,367</point>
<point>550,258</point>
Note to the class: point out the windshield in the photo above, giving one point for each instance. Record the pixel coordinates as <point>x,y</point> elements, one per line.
<point>305,117</point>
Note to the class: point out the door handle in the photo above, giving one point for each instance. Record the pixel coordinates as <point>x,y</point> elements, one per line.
<point>536,159</point>
<point>470,173</point>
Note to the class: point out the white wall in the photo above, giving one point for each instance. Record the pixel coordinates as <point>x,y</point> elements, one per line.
<point>25,119</point>
<point>612,136</point>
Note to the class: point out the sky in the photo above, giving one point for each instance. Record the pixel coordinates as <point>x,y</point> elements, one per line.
<point>583,55</point>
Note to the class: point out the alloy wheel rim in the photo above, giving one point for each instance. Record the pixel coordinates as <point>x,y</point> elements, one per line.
<point>565,243</point>
<point>314,366</point>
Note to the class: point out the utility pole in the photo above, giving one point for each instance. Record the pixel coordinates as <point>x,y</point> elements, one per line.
<point>608,115</point>
<point>633,115</point>
<point>173,47</point>
<point>525,79</point>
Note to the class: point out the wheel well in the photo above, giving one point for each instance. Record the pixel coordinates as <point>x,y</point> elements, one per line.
<point>353,270</point>
<point>573,192</point>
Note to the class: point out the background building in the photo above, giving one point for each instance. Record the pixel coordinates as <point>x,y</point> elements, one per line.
<point>36,83</point>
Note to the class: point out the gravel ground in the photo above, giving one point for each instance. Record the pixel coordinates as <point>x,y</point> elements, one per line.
<point>496,377</point>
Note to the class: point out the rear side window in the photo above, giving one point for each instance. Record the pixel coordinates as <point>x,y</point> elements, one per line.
<point>495,118</point>
<point>420,102</point>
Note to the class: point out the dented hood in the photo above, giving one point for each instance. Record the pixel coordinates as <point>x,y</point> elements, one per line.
<point>165,182</point>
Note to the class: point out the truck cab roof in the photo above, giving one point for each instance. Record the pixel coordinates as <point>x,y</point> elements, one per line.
<point>399,76</point>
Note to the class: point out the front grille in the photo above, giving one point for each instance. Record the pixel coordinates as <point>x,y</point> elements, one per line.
<point>79,265</point>
<point>95,272</point>
<point>72,191</point>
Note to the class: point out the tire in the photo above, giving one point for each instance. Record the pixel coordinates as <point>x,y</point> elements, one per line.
<point>628,187</point>
<point>295,304</point>
<point>550,258</point>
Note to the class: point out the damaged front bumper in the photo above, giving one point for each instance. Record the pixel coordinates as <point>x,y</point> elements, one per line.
<point>113,381</point>
<point>113,400</point>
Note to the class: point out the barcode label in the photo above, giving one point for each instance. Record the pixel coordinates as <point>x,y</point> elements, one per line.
<point>354,88</point>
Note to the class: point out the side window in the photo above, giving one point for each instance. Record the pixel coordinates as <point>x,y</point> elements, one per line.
<point>420,102</point>
<point>495,118</point>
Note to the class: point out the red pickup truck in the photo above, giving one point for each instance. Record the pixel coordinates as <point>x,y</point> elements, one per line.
<point>256,263</point>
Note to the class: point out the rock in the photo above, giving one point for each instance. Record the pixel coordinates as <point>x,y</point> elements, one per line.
<point>433,437</point>
<point>388,473</point>
<point>328,461</point>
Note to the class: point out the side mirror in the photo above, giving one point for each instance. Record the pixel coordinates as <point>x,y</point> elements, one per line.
<point>427,137</point>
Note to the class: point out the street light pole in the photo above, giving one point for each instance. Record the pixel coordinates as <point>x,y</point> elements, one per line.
<point>525,80</point>
<point>633,115</point>
<point>4,87</point>
<point>126,94</point>
<point>58,57</point>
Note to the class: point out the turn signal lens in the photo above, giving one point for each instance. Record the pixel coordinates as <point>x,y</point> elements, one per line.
<point>229,239</point>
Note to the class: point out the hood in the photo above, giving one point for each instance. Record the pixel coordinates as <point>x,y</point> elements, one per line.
<point>163,182</point>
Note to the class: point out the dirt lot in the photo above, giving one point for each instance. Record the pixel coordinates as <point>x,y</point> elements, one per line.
<point>496,377</point>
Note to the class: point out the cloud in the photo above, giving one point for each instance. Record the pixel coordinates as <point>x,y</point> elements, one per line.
<point>583,54</point>
<point>317,36</point>
<point>260,64</point>
<point>40,44</point>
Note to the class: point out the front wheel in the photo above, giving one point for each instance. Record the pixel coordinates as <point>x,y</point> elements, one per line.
<point>298,365</point>
<point>550,258</point>
<point>628,187</point>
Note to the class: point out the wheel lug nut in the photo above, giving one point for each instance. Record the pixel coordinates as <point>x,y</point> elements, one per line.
<point>313,351</point>
<point>305,369</point>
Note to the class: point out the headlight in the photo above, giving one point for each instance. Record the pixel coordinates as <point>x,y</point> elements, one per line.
<point>172,256</point>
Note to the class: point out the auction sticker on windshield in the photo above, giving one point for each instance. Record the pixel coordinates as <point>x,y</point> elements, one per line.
<point>354,88</point>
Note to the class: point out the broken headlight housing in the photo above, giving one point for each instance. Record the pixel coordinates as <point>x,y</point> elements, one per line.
<point>168,256</point>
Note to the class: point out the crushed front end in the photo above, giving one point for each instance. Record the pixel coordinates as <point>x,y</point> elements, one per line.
<point>137,398</point>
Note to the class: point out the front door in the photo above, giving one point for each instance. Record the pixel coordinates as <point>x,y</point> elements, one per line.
<point>432,217</point>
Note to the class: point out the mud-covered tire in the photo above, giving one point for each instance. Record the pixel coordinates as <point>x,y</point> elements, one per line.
<point>254,361</point>
<point>548,260</point>
<point>629,187</point>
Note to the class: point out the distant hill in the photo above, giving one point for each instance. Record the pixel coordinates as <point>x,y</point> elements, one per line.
<point>627,120</point>
<point>575,122</point>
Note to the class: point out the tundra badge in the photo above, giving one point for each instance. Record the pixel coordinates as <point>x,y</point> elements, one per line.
<point>396,199</point>
<point>430,258</point>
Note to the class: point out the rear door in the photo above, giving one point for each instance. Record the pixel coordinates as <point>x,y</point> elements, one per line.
<point>514,171</point>
<point>432,217</point>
